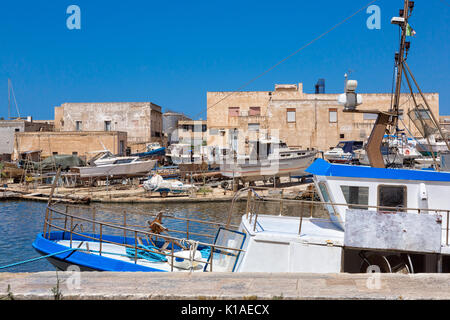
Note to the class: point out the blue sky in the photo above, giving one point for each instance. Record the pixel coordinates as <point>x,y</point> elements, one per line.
<point>172,53</point>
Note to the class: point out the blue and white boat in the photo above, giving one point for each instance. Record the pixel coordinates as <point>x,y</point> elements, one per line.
<point>394,219</point>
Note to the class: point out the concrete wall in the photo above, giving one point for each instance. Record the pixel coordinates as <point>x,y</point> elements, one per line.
<point>141,120</point>
<point>9,127</point>
<point>85,144</point>
<point>311,128</point>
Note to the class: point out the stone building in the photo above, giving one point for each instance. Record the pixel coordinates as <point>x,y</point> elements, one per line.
<point>300,119</point>
<point>8,128</point>
<point>142,121</point>
<point>170,125</point>
<point>85,144</point>
<point>193,132</point>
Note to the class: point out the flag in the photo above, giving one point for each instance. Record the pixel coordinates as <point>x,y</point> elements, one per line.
<point>410,31</point>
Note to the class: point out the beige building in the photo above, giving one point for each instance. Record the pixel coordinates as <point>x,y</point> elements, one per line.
<point>84,144</point>
<point>142,121</point>
<point>299,119</point>
<point>193,132</point>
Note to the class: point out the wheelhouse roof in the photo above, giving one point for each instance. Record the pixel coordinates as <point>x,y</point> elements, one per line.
<point>321,167</point>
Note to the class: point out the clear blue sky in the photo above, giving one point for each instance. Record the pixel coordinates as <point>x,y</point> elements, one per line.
<point>173,52</point>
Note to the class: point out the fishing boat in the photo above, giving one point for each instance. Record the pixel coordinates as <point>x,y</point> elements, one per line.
<point>344,152</point>
<point>269,158</point>
<point>122,167</point>
<point>392,219</point>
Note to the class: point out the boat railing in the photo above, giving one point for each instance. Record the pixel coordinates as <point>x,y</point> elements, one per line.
<point>72,224</point>
<point>316,209</point>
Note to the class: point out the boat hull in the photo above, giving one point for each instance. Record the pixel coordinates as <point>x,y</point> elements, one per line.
<point>125,169</point>
<point>262,169</point>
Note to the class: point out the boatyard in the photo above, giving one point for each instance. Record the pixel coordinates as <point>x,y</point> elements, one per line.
<point>276,195</point>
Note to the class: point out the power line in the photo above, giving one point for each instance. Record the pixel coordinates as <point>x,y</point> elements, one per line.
<point>289,56</point>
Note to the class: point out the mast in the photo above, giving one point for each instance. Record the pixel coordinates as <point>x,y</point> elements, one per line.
<point>400,57</point>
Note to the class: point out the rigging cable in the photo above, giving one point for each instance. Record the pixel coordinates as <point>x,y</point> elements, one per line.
<point>289,56</point>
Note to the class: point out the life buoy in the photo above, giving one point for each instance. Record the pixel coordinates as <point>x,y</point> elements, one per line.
<point>407,151</point>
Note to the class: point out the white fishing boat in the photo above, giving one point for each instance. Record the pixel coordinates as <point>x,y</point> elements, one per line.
<point>127,167</point>
<point>269,158</point>
<point>344,152</point>
<point>431,145</point>
<point>107,158</point>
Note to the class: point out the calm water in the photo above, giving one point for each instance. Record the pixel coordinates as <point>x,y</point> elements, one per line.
<point>21,221</point>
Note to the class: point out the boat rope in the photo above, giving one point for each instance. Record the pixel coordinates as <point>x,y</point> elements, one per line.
<point>38,258</point>
<point>192,244</point>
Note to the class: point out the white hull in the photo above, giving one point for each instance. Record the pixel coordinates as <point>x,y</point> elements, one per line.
<point>123,169</point>
<point>261,169</point>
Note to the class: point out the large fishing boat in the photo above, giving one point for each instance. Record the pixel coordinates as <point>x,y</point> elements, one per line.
<point>269,158</point>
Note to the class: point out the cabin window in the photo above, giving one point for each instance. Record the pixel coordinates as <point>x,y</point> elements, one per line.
<point>326,198</point>
<point>356,195</point>
<point>391,196</point>
<point>290,115</point>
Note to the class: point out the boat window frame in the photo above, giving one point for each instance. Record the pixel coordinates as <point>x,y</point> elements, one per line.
<point>405,197</point>
<point>356,205</point>
<point>328,203</point>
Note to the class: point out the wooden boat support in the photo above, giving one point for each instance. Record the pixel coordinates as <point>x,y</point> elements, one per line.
<point>67,222</point>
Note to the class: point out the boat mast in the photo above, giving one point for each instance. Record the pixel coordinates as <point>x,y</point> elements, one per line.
<point>400,57</point>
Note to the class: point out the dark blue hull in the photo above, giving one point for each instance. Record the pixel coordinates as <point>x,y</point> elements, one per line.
<point>85,261</point>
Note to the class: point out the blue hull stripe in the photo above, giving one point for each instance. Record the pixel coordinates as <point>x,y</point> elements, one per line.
<point>321,167</point>
<point>92,261</point>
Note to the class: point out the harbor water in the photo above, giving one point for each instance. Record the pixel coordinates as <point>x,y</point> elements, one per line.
<point>23,220</point>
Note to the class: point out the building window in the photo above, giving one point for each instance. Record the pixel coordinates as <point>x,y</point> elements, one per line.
<point>74,153</point>
<point>204,128</point>
<point>107,125</point>
<point>121,147</point>
<point>79,125</point>
<point>332,115</point>
<point>254,111</point>
<point>55,153</point>
<point>391,196</point>
<point>290,115</point>
<point>253,127</point>
<point>17,130</point>
<point>233,111</point>
<point>341,136</point>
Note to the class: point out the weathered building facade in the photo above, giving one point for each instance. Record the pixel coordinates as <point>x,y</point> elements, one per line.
<point>299,119</point>
<point>193,132</point>
<point>170,125</point>
<point>8,128</point>
<point>84,144</point>
<point>142,121</point>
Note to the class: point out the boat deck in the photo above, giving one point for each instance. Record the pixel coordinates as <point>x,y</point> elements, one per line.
<point>313,230</point>
<point>118,252</point>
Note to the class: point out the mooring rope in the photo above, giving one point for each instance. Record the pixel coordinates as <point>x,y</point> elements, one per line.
<point>38,258</point>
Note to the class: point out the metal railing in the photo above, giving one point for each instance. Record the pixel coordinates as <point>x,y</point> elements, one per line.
<point>313,209</point>
<point>68,223</point>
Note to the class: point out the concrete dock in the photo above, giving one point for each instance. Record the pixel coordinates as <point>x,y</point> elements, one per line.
<point>208,286</point>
